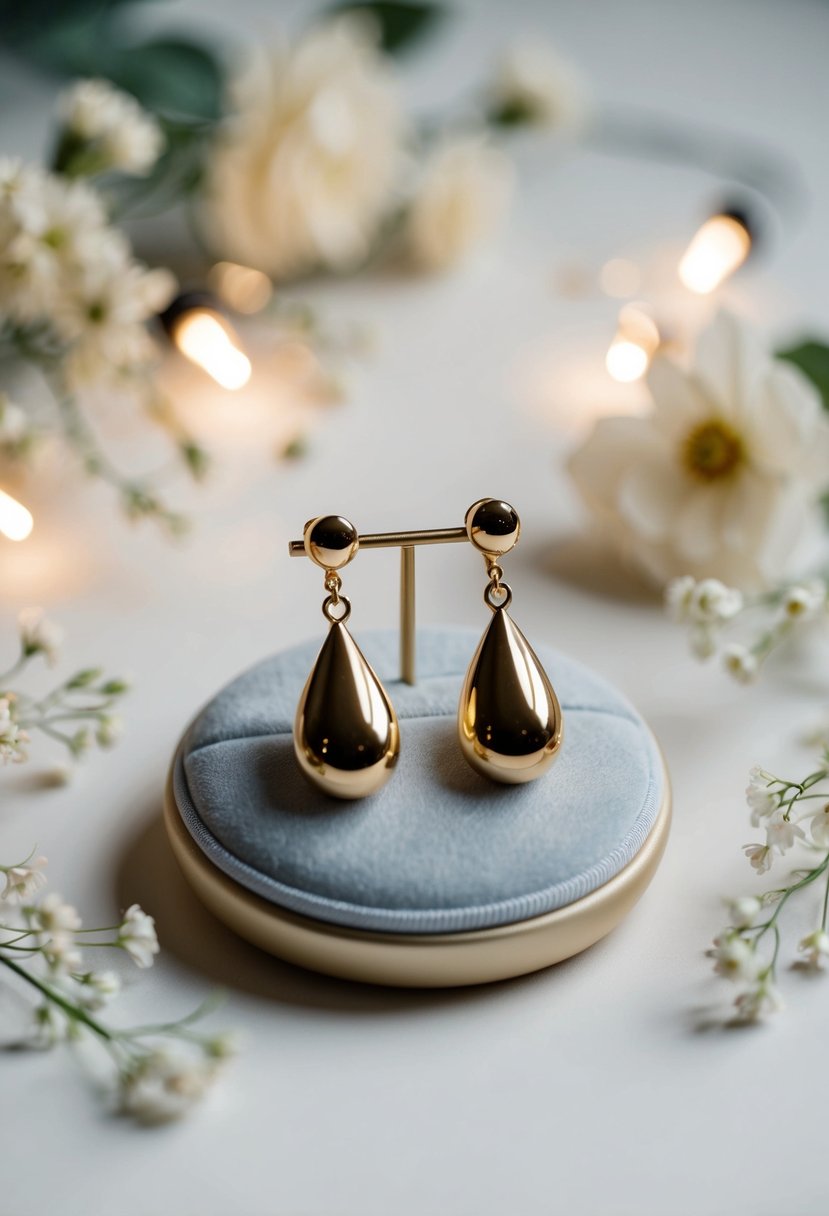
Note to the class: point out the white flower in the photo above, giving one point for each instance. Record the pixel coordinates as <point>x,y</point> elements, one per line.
<point>165,1086</point>
<point>740,662</point>
<point>97,988</point>
<point>304,172</point>
<point>759,795</point>
<point>679,598</point>
<point>23,881</point>
<point>743,912</point>
<point>819,826</point>
<point>804,601</point>
<point>816,948</point>
<point>755,1003</point>
<point>462,193</point>
<point>38,634</point>
<point>126,136</point>
<point>714,603</point>
<point>722,478</point>
<point>57,923</point>
<point>137,936</point>
<point>734,957</point>
<point>760,856</point>
<point>12,738</point>
<point>781,833</point>
<point>535,85</point>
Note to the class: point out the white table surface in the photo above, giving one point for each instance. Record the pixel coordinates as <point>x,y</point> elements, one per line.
<point>599,1086</point>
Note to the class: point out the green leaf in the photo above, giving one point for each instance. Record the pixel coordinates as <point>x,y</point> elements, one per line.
<point>169,76</point>
<point>400,24</point>
<point>812,358</point>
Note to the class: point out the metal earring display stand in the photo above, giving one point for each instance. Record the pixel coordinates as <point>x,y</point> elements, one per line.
<point>406,542</point>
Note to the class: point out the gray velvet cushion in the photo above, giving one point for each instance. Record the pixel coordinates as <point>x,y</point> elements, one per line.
<point>439,848</point>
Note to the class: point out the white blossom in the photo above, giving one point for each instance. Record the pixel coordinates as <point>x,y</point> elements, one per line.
<point>304,170</point>
<point>109,730</point>
<point>38,634</point>
<point>165,1085</point>
<point>97,988</point>
<point>819,826</point>
<point>759,795</point>
<point>57,923</point>
<point>533,84</point>
<point>126,136</point>
<point>815,946</point>
<point>804,601</point>
<point>734,957</point>
<point>12,738</point>
<point>138,937</point>
<point>781,833</point>
<point>758,1001</point>
<point>722,478</point>
<point>760,856</point>
<point>743,912</point>
<point>12,420</point>
<point>740,662</point>
<point>24,881</point>
<point>461,194</point>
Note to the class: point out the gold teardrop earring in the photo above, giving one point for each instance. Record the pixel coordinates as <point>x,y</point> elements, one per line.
<point>509,718</point>
<point>346,734</point>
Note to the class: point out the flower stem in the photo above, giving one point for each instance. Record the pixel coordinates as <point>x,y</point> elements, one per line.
<point>73,1012</point>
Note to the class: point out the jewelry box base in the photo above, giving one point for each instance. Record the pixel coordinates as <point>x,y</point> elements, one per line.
<point>439,960</point>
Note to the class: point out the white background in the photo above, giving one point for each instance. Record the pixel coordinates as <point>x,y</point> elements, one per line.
<point>604,1085</point>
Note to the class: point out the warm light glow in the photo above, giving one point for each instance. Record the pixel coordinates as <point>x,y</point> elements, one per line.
<point>620,277</point>
<point>15,521</point>
<point>207,340</point>
<point>241,287</point>
<point>636,341</point>
<point>721,245</point>
<point>626,361</point>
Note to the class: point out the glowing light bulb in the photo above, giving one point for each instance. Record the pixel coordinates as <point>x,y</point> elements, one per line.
<point>720,246</point>
<point>207,340</point>
<point>16,521</point>
<point>636,341</point>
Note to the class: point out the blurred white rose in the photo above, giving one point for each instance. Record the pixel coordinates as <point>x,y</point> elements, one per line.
<point>534,85</point>
<point>722,478</point>
<point>461,195</point>
<point>303,172</point>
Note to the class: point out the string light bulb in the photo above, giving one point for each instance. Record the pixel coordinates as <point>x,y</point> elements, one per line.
<point>197,327</point>
<point>635,343</point>
<point>716,250</point>
<point>16,521</point>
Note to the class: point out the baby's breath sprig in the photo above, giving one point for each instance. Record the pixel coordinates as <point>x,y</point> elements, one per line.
<point>159,1070</point>
<point>78,712</point>
<point>714,613</point>
<point>747,950</point>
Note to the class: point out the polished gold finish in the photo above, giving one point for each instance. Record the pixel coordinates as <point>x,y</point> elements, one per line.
<point>402,960</point>
<point>395,540</point>
<point>509,718</point>
<point>493,526</point>
<point>408,666</point>
<point>331,541</point>
<point>346,734</point>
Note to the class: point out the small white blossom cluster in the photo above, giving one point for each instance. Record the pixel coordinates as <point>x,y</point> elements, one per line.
<point>708,607</point>
<point>108,128</point>
<point>43,945</point>
<point>68,277</point>
<point>77,713</point>
<point>776,806</point>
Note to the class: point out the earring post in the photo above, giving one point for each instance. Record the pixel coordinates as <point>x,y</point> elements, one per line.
<point>406,542</point>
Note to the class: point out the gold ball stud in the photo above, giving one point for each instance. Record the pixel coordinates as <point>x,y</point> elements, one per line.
<point>331,541</point>
<point>493,526</point>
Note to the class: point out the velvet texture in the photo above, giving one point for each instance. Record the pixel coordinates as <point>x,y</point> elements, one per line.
<point>439,849</point>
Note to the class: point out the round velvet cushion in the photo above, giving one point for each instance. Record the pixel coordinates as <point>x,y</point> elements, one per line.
<point>439,849</point>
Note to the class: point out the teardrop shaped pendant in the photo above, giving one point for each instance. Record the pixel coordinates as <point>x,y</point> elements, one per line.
<point>346,734</point>
<point>509,718</point>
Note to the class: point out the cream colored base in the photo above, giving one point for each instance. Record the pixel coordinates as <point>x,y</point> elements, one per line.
<point>442,960</point>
